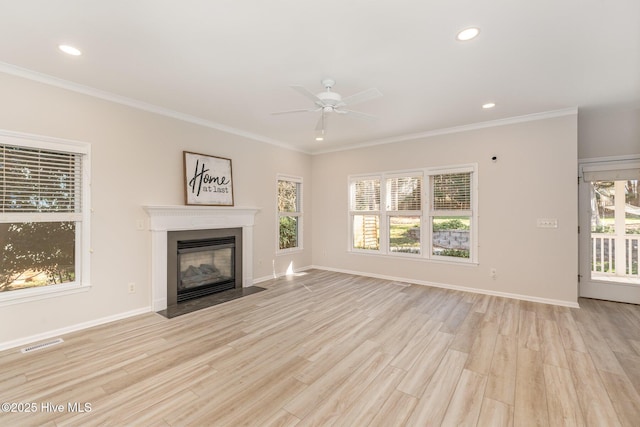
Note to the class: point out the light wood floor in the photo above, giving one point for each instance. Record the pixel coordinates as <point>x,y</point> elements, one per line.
<point>333,349</point>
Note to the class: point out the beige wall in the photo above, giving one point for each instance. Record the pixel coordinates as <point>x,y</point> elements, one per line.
<point>534,177</point>
<point>609,133</point>
<point>136,161</point>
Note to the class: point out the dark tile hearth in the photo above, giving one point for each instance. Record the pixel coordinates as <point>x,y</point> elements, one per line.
<point>208,301</point>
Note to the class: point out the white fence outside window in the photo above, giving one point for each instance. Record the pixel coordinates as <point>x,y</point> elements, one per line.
<point>603,255</point>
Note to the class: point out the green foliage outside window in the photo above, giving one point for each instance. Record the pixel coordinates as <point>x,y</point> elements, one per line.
<point>450,224</point>
<point>288,232</point>
<point>36,254</point>
<point>458,253</point>
<point>289,201</point>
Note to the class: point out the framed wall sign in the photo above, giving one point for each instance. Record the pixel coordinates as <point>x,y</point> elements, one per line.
<point>207,180</point>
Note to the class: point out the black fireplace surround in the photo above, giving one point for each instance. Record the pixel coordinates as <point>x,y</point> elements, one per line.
<point>203,262</point>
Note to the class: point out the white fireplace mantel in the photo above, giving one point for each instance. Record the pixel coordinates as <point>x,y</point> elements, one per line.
<point>163,219</point>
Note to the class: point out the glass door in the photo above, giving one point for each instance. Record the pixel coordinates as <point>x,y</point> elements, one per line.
<point>610,232</point>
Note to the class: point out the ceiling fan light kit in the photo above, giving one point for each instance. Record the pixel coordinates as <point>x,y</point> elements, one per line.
<point>327,102</point>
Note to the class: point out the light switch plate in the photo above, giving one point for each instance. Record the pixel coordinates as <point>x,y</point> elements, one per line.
<point>547,223</point>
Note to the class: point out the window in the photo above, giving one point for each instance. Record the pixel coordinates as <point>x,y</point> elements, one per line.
<point>451,214</point>
<point>443,216</point>
<point>404,213</point>
<point>365,213</point>
<point>289,213</point>
<point>398,220</point>
<point>615,230</point>
<point>43,216</point>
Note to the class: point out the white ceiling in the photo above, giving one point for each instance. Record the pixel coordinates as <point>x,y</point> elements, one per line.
<point>229,63</point>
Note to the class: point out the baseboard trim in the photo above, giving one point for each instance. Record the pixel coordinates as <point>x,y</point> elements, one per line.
<point>278,275</point>
<point>611,291</point>
<point>73,328</point>
<point>521,297</point>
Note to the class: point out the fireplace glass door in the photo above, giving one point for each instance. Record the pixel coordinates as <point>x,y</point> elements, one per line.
<point>205,266</point>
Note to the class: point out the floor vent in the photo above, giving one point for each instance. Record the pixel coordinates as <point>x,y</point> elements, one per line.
<point>42,345</point>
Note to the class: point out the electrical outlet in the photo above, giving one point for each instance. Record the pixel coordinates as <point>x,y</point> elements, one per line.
<point>132,288</point>
<point>493,273</point>
<point>140,224</point>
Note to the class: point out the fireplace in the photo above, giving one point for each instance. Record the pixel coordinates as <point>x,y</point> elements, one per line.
<point>205,266</point>
<point>203,262</point>
<point>165,220</point>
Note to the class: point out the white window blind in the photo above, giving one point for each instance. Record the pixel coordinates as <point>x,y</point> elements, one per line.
<point>39,181</point>
<point>366,195</point>
<point>404,193</point>
<point>611,171</point>
<point>451,192</point>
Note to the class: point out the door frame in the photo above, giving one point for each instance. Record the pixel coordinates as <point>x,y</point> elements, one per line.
<point>611,290</point>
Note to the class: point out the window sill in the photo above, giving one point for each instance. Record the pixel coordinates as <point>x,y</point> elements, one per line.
<point>420,258</point>
<point>35,294</point>
<point>289,251</point>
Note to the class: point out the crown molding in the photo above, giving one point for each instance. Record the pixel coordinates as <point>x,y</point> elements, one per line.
<point>134,103</point>
<point>458,129</point>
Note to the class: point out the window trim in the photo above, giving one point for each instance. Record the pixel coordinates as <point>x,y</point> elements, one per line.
<point>299,214</point>
<point>388,213</point>
<point>352,213</point>
<point>83,240</point>
<point>425,214</point>
<point>471,213</point>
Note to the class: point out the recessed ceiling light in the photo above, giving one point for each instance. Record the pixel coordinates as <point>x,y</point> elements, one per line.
<point>488,105</point>
<point>70,50</point>
<point>319,138</point>
<point>468,34</point>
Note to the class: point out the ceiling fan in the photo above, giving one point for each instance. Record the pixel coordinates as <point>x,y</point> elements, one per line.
<point>332,102</point>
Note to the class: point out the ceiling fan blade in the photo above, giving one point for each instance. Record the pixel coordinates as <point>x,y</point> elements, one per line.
<point>357,114</point>
<point>365,95</point>
<point>305,110</point>
<point>306,92</point>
